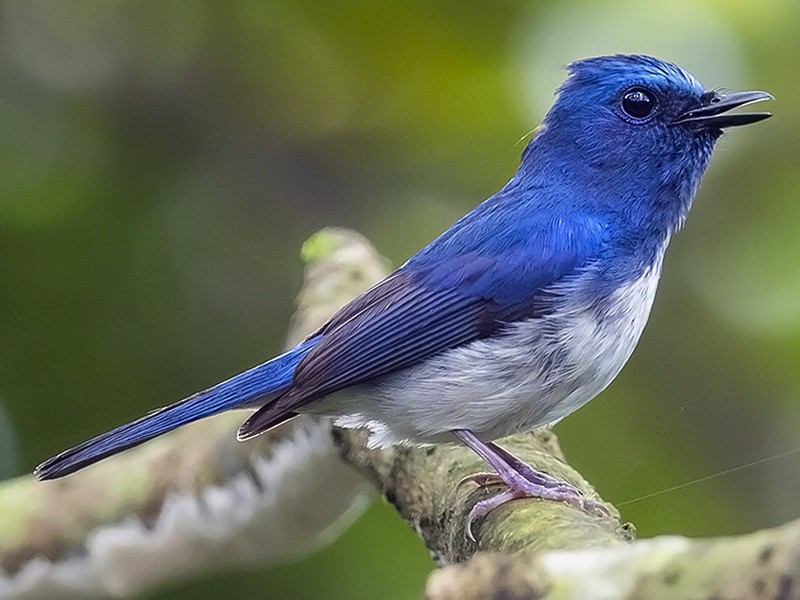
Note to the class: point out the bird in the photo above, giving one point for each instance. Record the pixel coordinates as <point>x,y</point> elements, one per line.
<point>517,315</point>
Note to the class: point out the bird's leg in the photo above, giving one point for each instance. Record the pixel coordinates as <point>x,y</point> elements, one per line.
<point>532,474</point>
<point>523,481</point>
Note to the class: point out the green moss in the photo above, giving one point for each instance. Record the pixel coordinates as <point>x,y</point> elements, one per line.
<point>320,245</point>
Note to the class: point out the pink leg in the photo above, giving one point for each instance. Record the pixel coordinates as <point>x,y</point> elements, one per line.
<point>523,481</point>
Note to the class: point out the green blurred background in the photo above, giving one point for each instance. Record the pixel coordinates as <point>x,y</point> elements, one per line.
<point>162,162</point>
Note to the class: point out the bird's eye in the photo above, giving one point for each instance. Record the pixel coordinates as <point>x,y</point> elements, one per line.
<point>638,102</point>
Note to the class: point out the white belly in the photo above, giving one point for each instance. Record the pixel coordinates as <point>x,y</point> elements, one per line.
<point>536,373</point>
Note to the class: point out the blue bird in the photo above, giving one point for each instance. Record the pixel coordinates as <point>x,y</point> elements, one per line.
<point>521,312</point>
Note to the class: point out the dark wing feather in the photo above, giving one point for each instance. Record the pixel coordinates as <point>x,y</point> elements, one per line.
<point>403,320</point>
<point>401,323</point>
<point>411,324</point>
<point>421,311</point>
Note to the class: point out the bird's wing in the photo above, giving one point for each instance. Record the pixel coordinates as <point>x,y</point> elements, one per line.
<point>404,321</point>
<point>416,313</point>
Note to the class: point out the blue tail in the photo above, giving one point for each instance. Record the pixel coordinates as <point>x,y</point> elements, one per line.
<point>258,383</point>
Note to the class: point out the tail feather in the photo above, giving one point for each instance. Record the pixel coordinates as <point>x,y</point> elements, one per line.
<point>256,384</point>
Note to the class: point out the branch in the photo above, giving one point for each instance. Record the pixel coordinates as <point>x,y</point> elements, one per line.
<point>765,564</point>
<point>423,484</point>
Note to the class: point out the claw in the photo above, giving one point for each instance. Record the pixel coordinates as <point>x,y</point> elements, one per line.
<point>573,497</point>
<point>482,480</point>
<point>484,507</point>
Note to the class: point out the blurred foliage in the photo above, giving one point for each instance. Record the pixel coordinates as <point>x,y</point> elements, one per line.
<point>162,162</point>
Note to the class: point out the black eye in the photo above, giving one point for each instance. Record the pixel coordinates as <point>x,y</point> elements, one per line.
<point>638,102</point>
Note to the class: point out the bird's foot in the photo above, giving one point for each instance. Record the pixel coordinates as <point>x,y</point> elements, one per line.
<point>519,486</point>
<point>522,481</point>
<point>486,479</point>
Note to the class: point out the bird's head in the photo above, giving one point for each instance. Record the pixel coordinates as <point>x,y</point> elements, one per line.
<point>634,122</point>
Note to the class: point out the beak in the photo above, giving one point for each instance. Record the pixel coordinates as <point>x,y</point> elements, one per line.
<point>715,110</point>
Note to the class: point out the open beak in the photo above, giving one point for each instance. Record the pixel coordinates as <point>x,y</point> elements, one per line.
<point>715,110</point>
